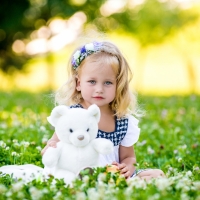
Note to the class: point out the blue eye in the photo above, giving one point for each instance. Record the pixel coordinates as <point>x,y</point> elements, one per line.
<point>92,81</point>
<point>108,83</point>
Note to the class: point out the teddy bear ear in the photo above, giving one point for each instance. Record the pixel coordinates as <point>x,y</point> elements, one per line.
<point>56,113</point>
<point>94,111</point>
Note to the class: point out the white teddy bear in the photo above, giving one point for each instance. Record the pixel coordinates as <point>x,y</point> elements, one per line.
<point>78,147</point>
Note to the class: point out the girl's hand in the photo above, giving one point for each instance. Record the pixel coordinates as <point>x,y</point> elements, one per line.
<point>123,168</point>
<point>51,143</point>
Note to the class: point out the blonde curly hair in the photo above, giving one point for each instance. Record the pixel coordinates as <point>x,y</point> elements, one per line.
<point>124,101</point>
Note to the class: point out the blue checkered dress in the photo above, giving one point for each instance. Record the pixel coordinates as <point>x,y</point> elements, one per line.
<point>121,126</point>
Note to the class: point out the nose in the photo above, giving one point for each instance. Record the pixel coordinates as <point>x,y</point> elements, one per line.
<point>80,137</point>
<point>99,88</point>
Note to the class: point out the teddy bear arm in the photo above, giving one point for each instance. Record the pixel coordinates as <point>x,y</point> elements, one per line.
<point>103,146</point>
<point>51,156</point>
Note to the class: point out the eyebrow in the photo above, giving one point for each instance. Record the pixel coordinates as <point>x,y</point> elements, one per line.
<point>109,79</point>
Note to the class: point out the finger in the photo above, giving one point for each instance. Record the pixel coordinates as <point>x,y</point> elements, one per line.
<point>127,174</point>
<point>52,145</point>
<point>124,170</point>
<point>122,166</point>
<point>115,163</point>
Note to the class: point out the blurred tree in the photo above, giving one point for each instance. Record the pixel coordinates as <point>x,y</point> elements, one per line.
<point>150,22</point>
<point>11,28</point>
<point>21,17</point>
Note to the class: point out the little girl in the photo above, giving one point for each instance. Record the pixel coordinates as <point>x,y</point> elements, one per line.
<point>99,74</point>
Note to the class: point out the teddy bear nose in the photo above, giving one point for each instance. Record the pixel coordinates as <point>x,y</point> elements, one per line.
<point>80,137</point>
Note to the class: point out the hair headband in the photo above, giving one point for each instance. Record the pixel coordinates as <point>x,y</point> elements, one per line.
<point>85,51</point>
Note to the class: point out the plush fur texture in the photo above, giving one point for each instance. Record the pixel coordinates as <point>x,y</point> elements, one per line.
<point>78,147</point>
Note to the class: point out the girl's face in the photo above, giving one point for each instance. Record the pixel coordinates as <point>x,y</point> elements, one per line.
<point>97,83</point>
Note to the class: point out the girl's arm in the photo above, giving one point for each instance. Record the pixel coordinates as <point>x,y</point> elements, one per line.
<point>51,143</point>
<point>127,160</point>
<point>53,138</point>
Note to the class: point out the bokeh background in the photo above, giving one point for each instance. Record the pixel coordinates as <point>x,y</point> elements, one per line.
<point>159,38</point>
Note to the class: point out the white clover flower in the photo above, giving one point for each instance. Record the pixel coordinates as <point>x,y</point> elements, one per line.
<point>175,151</point>
<point>184,146</point>
<point>186,180</point>
<point>20,195</point>
<point>195,168</point>
<point>197,185</point>
<point>77,54</point>
<point>89,47</point>
<point>170,168</point>
<point>163,183</point>
<point>185,188</point>
<point>179,159</point>
<point>7,148</point>
<point>58,195</point>
<point>33,143</point>
<point>141,184</point>
<point>188,173</point>
<point>14,153</point>
<point>9,194</point>
<point>53,186</point>
<point>44,140</point>
<point>35,193</point>
<point>133,181</point>
<point>17,186</point>
<point>141,143</point>
<point>3,188</point>
<point>92,194</point>
<point>42,128</point>
<point>101,188</point>
<point>150,150</point>
<point>45,191</point>
<point>86,179</point>
<point>101,177</point>
<point>16,144</point>
<point>31,126</point>
<point>155,196</point>
<point>184,196</point>
<point>39,148</point>
<point>25,144</point>
<point>183,182</point>
<point>83,185</point>
<point>4,125</point>
<point>15,141</point>
<point>2,144</point>
<point>137,182</point>
<point>128,192</point>
<point>80,196</point>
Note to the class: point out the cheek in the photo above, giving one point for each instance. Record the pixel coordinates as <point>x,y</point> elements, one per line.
<point>112,91</point>
<point>85,89</point>
<point>85,93</point>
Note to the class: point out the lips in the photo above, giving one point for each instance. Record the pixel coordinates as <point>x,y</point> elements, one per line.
<point>98,97</point>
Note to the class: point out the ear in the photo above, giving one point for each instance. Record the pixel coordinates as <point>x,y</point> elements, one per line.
<point>94,111</point>
<point>56,113</point>
<point>78,86</point>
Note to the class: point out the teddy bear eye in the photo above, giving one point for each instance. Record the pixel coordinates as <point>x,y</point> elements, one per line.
<point>70,130</point>
<point>88,129</point>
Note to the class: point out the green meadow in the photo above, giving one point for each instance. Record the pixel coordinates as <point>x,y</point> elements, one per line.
<point>169,140</point>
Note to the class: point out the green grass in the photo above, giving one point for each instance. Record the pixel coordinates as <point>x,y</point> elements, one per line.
<point>169,140</point>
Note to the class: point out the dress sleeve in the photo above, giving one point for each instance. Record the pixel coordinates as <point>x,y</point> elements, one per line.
<point>133,132</point>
